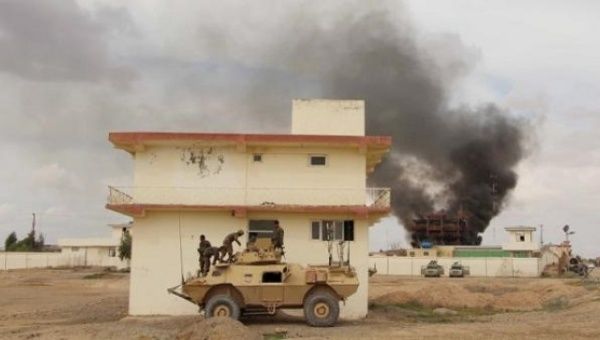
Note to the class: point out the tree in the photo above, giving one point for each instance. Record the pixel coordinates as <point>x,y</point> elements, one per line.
<point>29,243</point>
<point>10,241</point>
<point>125,246</point>
<point>39,244</point>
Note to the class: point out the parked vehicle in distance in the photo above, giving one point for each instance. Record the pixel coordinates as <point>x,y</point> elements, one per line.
<point>458,270</point>
<point>432,269</point>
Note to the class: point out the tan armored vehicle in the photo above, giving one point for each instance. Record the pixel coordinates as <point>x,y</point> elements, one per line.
<point>432,269</point>
<point>458,270</point>
<point>258,282</point>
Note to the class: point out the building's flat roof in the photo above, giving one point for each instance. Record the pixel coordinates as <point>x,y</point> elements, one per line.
<point>520,228</point>
<point>373,146</point>
<point>88,242</point>
<point>361,211</point>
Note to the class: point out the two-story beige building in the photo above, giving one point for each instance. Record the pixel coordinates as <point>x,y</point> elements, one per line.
<point>187,184</point>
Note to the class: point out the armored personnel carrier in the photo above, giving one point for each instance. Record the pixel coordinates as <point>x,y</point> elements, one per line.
<point>458,270</point>
<point>432,269</point>
<point>258,282</point>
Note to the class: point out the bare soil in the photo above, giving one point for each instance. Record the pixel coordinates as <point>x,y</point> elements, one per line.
<point>92,304</point>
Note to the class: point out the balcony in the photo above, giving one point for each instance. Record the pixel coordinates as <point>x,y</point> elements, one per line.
<point>372,199</point>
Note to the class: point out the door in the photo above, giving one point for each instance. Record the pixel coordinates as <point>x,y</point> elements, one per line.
<point>272,287</point>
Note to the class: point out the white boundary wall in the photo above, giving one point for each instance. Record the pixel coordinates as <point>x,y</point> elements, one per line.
<point>479,266</point>
<point>19,260</point>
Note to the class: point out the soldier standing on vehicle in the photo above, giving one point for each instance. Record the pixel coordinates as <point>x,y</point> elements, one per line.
<point>277,237</point>
<point>227,247</point>
<point>202,246</point>
<point>207,254</point>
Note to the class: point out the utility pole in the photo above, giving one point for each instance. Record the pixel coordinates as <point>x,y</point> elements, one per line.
<point>33,224</point>
<point>541,235</point>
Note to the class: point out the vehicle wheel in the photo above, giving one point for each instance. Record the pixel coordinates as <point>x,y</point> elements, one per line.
<point>321,309</point>
<point>222,305</point>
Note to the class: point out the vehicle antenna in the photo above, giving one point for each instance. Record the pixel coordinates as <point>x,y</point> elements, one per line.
<point>348,260</point>
<point>180,250</point>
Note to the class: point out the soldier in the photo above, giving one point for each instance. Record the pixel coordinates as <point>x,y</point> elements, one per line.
<point>207,254</point>
<point>277,237</point>
<point>251,244</point>
<point>202,246</point>
<point>227,247</point>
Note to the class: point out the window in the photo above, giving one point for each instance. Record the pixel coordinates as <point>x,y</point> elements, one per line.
<point>522,238</point>
<point>112,252</point>
<point>271,277</point>
<point>261,228</point>
<point>257,157</point>
<point>318,160</point>
<point>332,230</point>
<point>315,230</point>
<point>75,249</point>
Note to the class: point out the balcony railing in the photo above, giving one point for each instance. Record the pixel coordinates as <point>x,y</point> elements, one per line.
<point>371,197</point>
<point>116,196</point>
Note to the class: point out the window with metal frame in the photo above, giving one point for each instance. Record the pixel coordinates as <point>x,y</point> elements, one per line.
<point>318,160</point>
<point>334,230</point>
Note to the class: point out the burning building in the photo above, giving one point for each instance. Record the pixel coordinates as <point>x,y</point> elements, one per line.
<point>439,228</point>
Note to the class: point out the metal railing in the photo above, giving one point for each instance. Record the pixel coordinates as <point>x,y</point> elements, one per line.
<point>371,197</point>
<point>379,197</point>
<point>116,196</point>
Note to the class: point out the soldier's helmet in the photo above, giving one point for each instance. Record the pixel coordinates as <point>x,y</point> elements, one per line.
<point>240,232</point>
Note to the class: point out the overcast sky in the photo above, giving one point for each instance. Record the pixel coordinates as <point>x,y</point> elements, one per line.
<point>71,71</point>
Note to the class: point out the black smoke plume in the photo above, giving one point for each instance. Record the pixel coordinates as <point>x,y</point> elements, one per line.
<point>442,157</point>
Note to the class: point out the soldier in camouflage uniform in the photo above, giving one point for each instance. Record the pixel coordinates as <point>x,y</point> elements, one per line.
<point>227,247</point>
<point>277,237</point>
<point>207,254</point>
<point>202,246</point>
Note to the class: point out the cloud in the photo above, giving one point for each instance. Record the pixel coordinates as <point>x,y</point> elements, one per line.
<point>56,177</point>
<point>58,41</point>
<point>6,210</point>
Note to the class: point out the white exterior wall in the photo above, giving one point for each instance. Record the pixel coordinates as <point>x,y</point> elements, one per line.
<point>164,175</point>
<point>66,258</point>
<point>328,117</point>
<point>482,266</point>
<point>515,244</point>
<point>155,265</point>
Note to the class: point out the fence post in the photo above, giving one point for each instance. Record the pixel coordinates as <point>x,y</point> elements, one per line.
<point>486,266</point>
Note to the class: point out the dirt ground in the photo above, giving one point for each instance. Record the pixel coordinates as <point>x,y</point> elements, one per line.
<point>92,304</point>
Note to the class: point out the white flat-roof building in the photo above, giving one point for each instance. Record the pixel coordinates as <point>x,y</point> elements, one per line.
<point>187,184</point>
<point>521,241</point>
<point>95,251</point>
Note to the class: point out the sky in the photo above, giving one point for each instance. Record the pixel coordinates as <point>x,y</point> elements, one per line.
<point>71,71</point>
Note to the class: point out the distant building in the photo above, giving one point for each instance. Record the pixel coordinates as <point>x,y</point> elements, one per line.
<point>103,252</point>
<point>187,184</point>
<point>521,242</point>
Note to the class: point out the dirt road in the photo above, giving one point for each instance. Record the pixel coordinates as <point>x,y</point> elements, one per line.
<point>91,304</point>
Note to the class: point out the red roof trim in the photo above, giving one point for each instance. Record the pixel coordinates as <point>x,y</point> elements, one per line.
<point>120,138</point>
<point>140,209</point>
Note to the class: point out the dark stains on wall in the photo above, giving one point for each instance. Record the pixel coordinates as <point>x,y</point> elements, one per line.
<point>208,160</point>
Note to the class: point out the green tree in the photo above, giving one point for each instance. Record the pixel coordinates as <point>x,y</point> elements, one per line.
<point>29,243</point>
<point>10,241</point>
<point>125,246</point>
<point>39,244</point>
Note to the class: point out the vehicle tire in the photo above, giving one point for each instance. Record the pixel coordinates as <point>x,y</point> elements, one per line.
<point>223,306</point>
<point>321,309</point>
